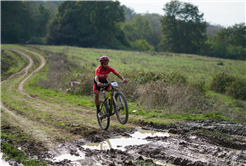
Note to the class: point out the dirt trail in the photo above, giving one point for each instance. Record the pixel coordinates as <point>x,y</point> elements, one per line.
<point>21,121</point>
<point>30,63</point>
<point>60,128</point>
<point>43,62</point>
<point>51,123</point>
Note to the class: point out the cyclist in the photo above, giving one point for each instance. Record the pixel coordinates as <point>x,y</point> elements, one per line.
<point>101,75</point>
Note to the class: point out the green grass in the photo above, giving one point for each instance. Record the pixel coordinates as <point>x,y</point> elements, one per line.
<point>18,155</point>
<point>61,124</point>
<point>228,100</point>
<point>14,153</point>
<point>192,66</point>
<point>202,68</point>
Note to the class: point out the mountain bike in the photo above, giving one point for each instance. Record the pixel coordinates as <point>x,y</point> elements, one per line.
<point>114,103</point>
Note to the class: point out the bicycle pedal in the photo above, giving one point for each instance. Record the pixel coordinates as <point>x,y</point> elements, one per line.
<point>100,115</point>
<point>105,115</point>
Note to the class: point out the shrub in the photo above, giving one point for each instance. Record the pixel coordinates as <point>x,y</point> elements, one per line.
<point>85,86</point>
<point>36,40</point>
<point>175,78</point>
<point>199,85</point>
<point>220,82</point>
<point>237,89</point>
<point>235,52</point>
<point>143,77</point>
<point>178,98</point>
<point>142,45</point>
<point>229,85</point>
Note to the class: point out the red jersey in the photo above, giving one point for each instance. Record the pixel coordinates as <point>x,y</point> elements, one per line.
<point>102,73</point>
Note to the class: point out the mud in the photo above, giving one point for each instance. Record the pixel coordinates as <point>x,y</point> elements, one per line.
<point>188,143</point>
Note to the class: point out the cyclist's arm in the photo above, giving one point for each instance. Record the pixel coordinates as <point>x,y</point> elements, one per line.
<point>121,77</point>
<point>97,81</point>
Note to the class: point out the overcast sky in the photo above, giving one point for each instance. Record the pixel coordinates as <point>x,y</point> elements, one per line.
<point>223,12</point>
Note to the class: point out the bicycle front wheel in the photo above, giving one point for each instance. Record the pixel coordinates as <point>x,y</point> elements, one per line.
<point>121,107</point>
<point>104,118</point>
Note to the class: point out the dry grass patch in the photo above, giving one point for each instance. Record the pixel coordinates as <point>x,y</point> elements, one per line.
<point>177,98</point>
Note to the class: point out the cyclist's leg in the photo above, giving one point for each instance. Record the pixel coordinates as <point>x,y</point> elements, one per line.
<point>97,102</point>
<point>96,91</point>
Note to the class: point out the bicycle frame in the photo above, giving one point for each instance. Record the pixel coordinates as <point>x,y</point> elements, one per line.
<point>110,96</point>
<point>111,104</point>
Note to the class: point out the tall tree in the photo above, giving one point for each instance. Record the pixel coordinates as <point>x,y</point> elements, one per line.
<point>129,13</point>
<point>43,16</point>
<point>15,22</point>
<point>183,28</point>
<point>154,20</point>
<point>230,42</point>
<point>52,6</point>
<point>137,29</point>
<point>87,23</point>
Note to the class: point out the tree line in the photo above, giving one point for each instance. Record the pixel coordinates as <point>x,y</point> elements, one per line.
<point>108,24</point>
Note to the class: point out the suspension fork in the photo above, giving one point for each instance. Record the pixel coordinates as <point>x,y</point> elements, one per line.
<point>114,99</point>
<point>111,102</point>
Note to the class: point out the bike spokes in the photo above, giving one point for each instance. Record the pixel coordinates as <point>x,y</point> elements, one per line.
<point>121,108</point>
<point>102,117</point>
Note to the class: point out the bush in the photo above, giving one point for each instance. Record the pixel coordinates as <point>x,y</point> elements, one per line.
<point>143,77</point>
<point>220,82</point>
<point>237,89</point>
<point>199,85</point>
<point>235,52</point>
<point>229,85</point>
<point>178,98</point>
<point>142,45</point>
<point>85,86</point>
<point>36,40</point>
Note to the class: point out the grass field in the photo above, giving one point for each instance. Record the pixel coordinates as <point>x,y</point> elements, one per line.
<point>194,67</point>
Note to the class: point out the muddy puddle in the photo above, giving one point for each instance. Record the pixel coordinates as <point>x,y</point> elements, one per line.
<point>191,143</point>
<point>120,142</point>
<point>101,153</point>
<point>178,144</point>
<point>2,161</point>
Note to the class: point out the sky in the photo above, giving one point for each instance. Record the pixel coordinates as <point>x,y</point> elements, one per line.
<point>222,12</point>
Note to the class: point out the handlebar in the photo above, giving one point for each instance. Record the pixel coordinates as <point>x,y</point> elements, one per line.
<point>107,84</point>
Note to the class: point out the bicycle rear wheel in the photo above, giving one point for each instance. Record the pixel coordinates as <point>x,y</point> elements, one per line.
<point>122,109</point>
<point>105,120</point>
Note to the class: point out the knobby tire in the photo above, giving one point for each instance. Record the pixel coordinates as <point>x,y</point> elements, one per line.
<point>104,122</point>
<point>122,113</point>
